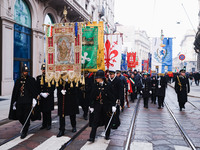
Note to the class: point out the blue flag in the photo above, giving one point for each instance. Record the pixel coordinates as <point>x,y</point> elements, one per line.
<point>167,52</point>
<point>149,59</point>
<point>123,63</point>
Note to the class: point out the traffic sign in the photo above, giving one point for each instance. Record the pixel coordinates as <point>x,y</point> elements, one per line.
<point>181,56</point>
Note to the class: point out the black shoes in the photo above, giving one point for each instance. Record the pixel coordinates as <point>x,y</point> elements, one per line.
<point>23,135</point>
<point>74,130</point>
<point>91,140</point>
<point>48,127</point>
<point>61,133</point>
<point>107,137</point>
<point>43,127</point>
<point>159,107</point>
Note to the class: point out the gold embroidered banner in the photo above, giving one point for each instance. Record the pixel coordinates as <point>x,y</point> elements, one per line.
<point>63,52</point>
<point>100,53</point>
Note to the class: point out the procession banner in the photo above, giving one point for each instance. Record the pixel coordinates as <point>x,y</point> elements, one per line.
<point>63,52</point>
<point>149,62</point>
<point>113,48</point>
<point>100,53</point>
<point>131,59</point>
<point>124,63</point>
<point>144,65</point>
<point>167,60</point>
<point>89,48</point>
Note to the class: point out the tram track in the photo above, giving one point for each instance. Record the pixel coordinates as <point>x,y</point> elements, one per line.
<point>183,132</point>
<point>132,126</point>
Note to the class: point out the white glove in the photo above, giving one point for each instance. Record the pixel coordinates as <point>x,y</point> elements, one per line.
<point>91,110</point>
<point>63,92</point>
<point>34,102</point>
<point>114,109</point>
<point>141,92</point>
<point>159,86</point>
<point>150,92</point>
<point>44,95</point>
<point>14,106</point>
<point>118,101</point>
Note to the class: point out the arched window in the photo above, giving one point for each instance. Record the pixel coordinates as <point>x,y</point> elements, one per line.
<point>22,37</point>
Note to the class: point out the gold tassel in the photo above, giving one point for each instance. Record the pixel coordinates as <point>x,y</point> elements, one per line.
<point>60,81</point>
<point>71,85</point>
<point>53,82</point>
<point>42,81</point>
<point>57,84</point>
<point>83,82</point>
<point>77,84</point>
<point>49,85</point>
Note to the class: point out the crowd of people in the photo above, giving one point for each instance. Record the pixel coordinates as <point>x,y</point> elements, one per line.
<point>103,97</point>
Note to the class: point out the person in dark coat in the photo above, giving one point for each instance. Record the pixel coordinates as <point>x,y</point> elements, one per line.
<point>196,78</point>
<point>125,87</point>
<point>137,79</point>
<point>160,89</point>
<point>134,88</point>
<point>102,104</point>
<point>67,104</point>
<point>47,99</point>
<point>89,81</point>
<point>146,89</point>
<point>24,97</point>
<point>153,89</point>
<point>182,88</point>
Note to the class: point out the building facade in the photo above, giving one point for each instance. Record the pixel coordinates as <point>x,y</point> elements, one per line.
<point>22,31</point>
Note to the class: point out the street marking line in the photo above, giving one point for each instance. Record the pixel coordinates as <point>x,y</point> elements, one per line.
<point>53,142</point>
<point>14,142</point>
<point>141,146</point>
<point>181,148</point>
<point>99,144</point>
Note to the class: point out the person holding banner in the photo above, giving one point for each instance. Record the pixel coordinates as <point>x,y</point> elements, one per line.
<point>23,100</point>
<point>102,105</point>
<point>47,99</point>
<point>67,93</point>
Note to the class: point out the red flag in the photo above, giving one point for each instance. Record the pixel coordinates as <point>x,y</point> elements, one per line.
<point>131,57</point>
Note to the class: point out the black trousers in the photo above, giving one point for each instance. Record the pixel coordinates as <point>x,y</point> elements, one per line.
<point>153,98</point>
<point>23,111</point>
<point>62,122</point>
<point>181,104</point>
<point>161,101</point>
<point>46,116</point>
<point>146,99</point>
<point>196,81</point>
<point>98,111</point>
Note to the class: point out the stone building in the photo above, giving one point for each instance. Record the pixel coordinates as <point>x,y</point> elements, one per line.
<point>22,31</point>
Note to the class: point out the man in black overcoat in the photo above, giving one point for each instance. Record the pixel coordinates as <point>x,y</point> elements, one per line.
<point>24,95</point>
<point>182,88</point>
<point>160,89</point>
<point>47,98</point>
<point>146,89</point>
<point>102,104</point>
<point>153,89</point>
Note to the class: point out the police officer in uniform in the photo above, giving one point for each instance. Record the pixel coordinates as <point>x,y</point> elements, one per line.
<point>67,93</point>
<point>182,88</point>
<point>47,99</point>
<point>146,89</point>
<point>102,104</point>
<point>160,89</point>
<point>23,99</point>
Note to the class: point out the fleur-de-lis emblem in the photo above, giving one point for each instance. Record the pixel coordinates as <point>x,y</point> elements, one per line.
<point>110,60</point>
<point>84,58</point>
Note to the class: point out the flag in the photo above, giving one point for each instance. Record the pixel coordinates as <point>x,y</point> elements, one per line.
<point>167,60</point>
<point>100,53</point>
<point>149,62</point>
<point>112,52</point>
<point>144,65</point>
<point>89,48</point>
<point>49,31</point>
<point>131,59</point>
<point>124,63</point>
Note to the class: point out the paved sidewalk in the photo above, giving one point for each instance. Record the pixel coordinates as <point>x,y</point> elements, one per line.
<point>194,90</point>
